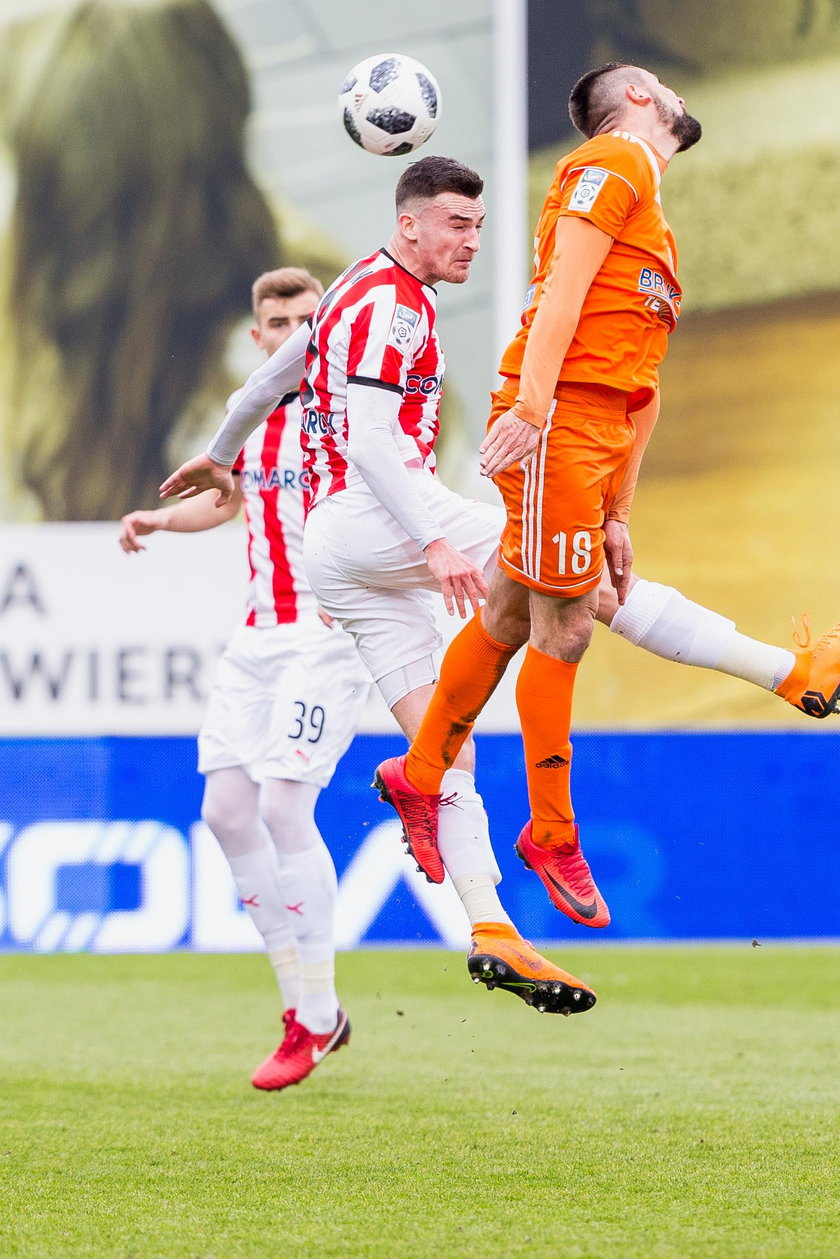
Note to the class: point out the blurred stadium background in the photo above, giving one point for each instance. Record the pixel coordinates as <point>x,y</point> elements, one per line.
<point>693,789</point>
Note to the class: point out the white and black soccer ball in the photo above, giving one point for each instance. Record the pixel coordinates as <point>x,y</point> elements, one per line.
<point>389,104</point>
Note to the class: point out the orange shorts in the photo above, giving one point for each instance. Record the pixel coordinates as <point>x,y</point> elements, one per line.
<point>553,540</point>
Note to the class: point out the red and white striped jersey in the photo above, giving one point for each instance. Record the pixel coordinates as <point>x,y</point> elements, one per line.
<point>272,480</point>
<point>375,325</point>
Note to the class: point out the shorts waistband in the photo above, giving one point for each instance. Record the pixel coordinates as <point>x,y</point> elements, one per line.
<point>592,396</point>
<point>582,395</point>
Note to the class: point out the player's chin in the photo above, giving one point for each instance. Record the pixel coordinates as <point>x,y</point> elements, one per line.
<point>459,272</point>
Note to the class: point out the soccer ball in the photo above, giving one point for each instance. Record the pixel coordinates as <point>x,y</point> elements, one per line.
<point>389,104</point>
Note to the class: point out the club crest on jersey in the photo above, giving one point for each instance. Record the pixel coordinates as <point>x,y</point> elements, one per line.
<point>588,187</point>
<point>402,326</point>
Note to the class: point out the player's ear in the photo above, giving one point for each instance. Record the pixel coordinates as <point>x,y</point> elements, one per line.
<point>256,337</point>
<point>408,224</point>
<point>638,94</point>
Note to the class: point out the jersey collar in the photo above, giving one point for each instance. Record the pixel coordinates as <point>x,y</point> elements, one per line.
<point>651,155</point>
<point>396,263</point>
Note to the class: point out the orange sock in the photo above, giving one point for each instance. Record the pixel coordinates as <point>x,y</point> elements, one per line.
<point>472,669</point>
<point>544,699</point>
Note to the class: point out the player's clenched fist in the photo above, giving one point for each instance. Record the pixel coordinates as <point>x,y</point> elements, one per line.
<point>460,581</point>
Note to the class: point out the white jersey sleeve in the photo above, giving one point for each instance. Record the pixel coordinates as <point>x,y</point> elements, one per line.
<point>373,421</point>
<point>273,380</point>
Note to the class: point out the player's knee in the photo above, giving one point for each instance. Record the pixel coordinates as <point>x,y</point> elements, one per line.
<point>506,616</point>
<point>507,625</point>
<point>288,811</point>
<point>222,820</point>
<point>279,824</point>
<point>563,627</point>
<point>401,682</point>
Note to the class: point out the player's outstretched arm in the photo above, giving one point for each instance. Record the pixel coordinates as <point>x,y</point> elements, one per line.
<point>272,381</point>
<point>193,516</point>
<point>197,475</point>
<point>278,376</point>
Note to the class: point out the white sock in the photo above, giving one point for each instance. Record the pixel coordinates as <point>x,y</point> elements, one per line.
<point>480,899</point>
<point>258,882</point>
<point>465,848</point>
<point>310,886</point>
<point>318,1009</point>
<point>286,966</point>
<point>662,621</point>
<point>231,810</point>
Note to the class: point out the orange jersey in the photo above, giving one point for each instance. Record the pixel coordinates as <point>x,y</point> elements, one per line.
<point>634,300</point>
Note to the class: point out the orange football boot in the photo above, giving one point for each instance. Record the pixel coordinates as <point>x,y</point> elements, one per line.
<point>813,684</point>
<point>567,878</point>
<point>500,958</point>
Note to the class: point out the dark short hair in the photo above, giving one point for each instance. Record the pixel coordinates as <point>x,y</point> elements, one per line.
<point>593,98</point>
<point>432,175</point>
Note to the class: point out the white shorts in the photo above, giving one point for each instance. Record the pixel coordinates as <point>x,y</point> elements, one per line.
<point>369,575</point>
<point>285,702</point>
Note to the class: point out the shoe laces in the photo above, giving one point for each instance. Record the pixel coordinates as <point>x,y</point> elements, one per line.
<point>576,872</point>
<point>825,640</point>
<point>416,811</point>
<point>294,1039</point>
<point>803,638</point>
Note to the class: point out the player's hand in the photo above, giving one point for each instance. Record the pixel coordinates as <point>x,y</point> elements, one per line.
<point>619,553</point>
<point>198,475</point>
<point>460,581</point>
<point>138,524</point>
<point>325,618</point>
<point>509,440</point>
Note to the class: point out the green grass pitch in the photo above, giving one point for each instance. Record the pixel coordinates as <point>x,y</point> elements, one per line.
<point>692,1113</point>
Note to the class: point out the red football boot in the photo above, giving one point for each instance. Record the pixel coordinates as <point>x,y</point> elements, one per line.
<point>417,812</point>
<point>300,1053</point>
<point>567,878</point>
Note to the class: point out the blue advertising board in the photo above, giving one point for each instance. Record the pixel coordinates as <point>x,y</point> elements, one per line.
<point>689,836</point>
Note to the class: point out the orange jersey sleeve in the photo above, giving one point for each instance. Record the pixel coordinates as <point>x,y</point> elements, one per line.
<point>633,303</point>
<point>644,420</point>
